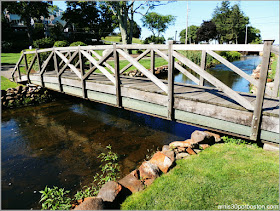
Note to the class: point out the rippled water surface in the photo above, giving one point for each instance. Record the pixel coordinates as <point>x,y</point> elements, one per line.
<point>58,143</point>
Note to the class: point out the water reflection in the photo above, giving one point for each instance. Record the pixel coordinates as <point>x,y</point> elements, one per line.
<point>227,76</point>
<point>57,144</point>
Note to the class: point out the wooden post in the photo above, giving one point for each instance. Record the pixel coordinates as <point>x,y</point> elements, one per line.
<point>90,64</point>
<point>117,76</point>
<point>57,70</point>
<point>39,67</point>
<point>203,66</point>
<point>82,72</point>
<point>26,65</point>
<point>170,110</point>
<point>276,80</point>
<point>257,116</point>
<point>152,59</point>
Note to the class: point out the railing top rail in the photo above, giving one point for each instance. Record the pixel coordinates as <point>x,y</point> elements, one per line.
<point>216,47</point>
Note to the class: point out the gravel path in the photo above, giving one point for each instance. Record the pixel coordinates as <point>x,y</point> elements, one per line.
<point>6,70</point>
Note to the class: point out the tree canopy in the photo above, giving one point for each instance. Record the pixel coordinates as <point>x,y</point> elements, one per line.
<point>206,31</point>
<point>90,17</point>
<point>157,23</point>
<point>191,34</point>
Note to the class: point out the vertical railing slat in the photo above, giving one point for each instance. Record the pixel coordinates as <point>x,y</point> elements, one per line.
<point>276,80</point>
<point>83,73</point>
<point>203,66</point>
<point>170,109</point>
<point>257,115</point>
<point>117,76</point>
<point>152,59</point>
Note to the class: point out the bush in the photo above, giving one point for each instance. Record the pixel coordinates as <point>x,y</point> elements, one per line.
<point>6,46</point>
<point>78,43</point>
<point>43,43</point>
<point>154,39</point>
<point>230,55</point>
<point>63,43</point>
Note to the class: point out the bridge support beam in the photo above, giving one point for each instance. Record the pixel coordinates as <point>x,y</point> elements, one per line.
<point>117,76</point>
<point>256,120</point>
<point>170,114</point>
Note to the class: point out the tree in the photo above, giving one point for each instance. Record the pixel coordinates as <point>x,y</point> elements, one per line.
<point>124,12</point>
<point>206,31</point>
<point>253,36</point>
<point>191,34</point>
<point>90,17</point>
<point>28,10</point>
<point>230,22</point>
<point>136,31</point>
<point>157,23</point>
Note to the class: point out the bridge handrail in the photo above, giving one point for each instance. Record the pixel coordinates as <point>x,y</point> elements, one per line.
<point>115,50</point>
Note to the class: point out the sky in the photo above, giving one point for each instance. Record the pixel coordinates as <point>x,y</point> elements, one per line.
<point>263,15</point>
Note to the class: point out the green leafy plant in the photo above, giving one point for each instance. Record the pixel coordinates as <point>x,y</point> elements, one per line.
<point>55,199</point>
<point>63,43</point>
<point>226,139</point>
<point>43,43</point>
<point>78,43</point>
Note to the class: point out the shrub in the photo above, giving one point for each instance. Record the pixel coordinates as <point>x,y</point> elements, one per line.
<point>230,55</point>
<point>63,43</point>
<point>78,43</point>
<point>154,39</point>
<point>43,43</point>
<point>6,46</point>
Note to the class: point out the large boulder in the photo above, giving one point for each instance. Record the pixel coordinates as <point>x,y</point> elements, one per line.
<point>132,182</point>
<point>148,172</point>
<point>163,162</point>
<point>91,203</point>
<point>202,137</point>
<point>110,191</point>
<point>176,144</point>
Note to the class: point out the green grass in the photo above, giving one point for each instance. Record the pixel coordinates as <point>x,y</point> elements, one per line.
<point>6,83</point>
<point>273,67</point>
<point>9,58</point>
<point>117,39</point>
<point>223,174</point>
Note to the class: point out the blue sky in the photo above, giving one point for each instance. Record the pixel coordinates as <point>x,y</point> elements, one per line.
<point>263,15</point>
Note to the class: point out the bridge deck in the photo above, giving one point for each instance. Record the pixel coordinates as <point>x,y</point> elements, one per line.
<point>204,106</point>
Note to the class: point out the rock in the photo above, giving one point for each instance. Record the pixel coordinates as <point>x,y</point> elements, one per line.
<point>170,154</point>
<point>197,151</point>
<point>176,144</point>
<point>163,162</point>
<point>182,155</point>
<point>202,137</point>
<point>91,203</point>
<point>216,136</point>
<point>180,149</point>
<point>109,191</point>
<point>131,182</point>
<point>269,80</point>
<point>271,147</point>
<point>148,171</point>
<point>192,143</point>
<point>190,151</point>
<point>204,146</point>
<point>165,148</point>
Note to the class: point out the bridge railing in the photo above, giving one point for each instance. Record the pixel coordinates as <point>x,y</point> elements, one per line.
<point>75,58</point>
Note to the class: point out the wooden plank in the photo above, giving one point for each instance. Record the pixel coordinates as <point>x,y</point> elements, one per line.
<point>72,67</point>
<point>217,83</point>
<point>97,65</point>
<point>147,73</point>
<point>68,62</point>
<point>233,68</point>
<point>45,63</point>
<point>25,60</point>
<point>67,54</point>
<point>137,59</point>
<point>170,94</point>
<point>256,120</point>
<point>152,60</point>
<point>117,76</point>
<point>220,47</point>
<point>105,63</point>
<point>179,67</point>
<point>83,73</point>
<point>203,66</point>
<point>275,90</point>
<point>30,67</point>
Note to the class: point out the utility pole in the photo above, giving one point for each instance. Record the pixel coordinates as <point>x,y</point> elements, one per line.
<point>186,42</point>
<point>175,35</point>
<point>246,35</point>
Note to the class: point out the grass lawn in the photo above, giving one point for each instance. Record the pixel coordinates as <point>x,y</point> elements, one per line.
<point>117,39</point>
<point>6,83</point>
<point>9,58</point>
<point>223,174</point>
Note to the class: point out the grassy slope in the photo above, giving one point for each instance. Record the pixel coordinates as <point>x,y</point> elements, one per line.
<point>6,83</point>
<point>223,174</point>
<point>117,39</point>
<point>9,58</point>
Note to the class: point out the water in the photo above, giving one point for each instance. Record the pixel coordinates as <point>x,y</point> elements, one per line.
<point>57,144</point>
<point>227,76</point>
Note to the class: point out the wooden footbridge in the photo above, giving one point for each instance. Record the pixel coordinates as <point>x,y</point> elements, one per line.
<point>73,70</point>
